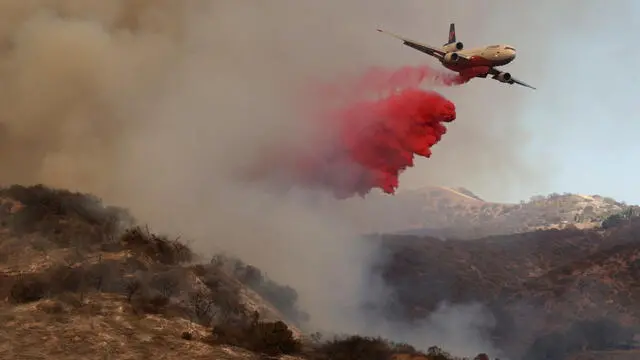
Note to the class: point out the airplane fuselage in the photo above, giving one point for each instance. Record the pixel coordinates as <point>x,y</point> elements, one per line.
<point>489,56</point>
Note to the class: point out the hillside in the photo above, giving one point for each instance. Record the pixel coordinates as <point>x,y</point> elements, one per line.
<point>80,279</point>
<point>459,213</point>
<point>541,287</point>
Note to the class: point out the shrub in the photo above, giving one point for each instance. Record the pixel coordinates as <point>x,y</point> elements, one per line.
<point>225,293</point>
<point>28,288</point>
<point>269,338</point>
<point>63,278</point>
<point>353,348</point>
<point>158,248</point>
<point>630,212</point>
<point>436,353</point>
<point>167,282</point>
<point>44,208</point>
<point>612,221</point>
<point>272,338</point>
<point>282,297</point>
<point>150,304</point>
<point>357,347</point>
<point>203,306</point>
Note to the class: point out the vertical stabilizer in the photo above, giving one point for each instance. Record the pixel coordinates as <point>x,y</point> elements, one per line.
<point>452,34</point>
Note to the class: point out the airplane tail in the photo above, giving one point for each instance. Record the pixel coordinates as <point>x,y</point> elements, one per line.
<point>452,34</point>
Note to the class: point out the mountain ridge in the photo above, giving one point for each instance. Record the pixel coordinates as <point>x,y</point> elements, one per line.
<point>451,212</point>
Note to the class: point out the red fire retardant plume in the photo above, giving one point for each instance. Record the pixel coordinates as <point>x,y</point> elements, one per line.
<point>377,141</point>
<point>374,140</point>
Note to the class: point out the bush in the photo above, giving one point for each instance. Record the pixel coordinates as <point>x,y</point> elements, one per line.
<point>66,279</point>
<point>57,212</point>
<point>282,297</point>
<point>150,304</point>
<point>612,221</point>
<point>28,288</point>
<point>375,348</point>
<point>621,217</point>
<point>225,293</point>
<point>435,353</point>
<point>371,348</point>
<point>158,248</point>
<point>272,338</point>
<point>168,282</point>
<point>354,348</point>
<point>58,279</point>
<point>269,338</point>
<point>203,306</point>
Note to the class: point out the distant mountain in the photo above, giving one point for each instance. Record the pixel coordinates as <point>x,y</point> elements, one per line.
<point>459,213</point>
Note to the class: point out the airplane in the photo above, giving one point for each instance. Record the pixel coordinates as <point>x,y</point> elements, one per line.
<point>476,62</point>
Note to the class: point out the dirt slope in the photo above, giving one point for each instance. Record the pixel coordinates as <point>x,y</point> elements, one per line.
<point>535,283</point>
<point>101,327</point>
<point>75,284</point>
<point>81,280</point>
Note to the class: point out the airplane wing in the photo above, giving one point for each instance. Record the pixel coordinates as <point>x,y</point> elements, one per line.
<point>495,72</point>
<point>522,83</point>
<point>429,50</point>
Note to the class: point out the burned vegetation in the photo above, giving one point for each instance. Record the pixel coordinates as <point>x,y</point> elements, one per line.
<point>67,256</point>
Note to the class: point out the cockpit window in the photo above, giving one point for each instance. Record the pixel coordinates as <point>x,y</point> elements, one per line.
<point>509,48</point>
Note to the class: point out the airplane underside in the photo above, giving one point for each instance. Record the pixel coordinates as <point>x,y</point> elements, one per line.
<point>478,71</point>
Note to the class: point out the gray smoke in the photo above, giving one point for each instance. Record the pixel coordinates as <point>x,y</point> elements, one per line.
<point>157,105</point>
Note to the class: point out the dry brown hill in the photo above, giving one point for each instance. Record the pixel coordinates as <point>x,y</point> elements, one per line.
<point>541,286</point>
<point>459,213</point>
<point>82,280</point>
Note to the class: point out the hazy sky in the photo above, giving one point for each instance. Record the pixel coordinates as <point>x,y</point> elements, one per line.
<point>585,113</point>
<point>508,143</point>
<point>578,129</point>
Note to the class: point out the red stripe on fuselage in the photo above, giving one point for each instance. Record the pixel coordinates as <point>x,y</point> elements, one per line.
<point>474,61</point>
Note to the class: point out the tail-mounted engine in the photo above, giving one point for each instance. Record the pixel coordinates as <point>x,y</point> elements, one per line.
<point>457,46</point>
<point>451,58</point>
<point>504,77</point>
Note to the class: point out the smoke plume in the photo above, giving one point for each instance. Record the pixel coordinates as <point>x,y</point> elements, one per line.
<point>370,142</point>
<point>158,105</point>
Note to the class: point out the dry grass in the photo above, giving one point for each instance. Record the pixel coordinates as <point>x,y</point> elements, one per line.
<point>101,327</point>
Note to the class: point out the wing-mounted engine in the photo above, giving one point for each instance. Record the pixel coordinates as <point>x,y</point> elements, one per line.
<point>504,77</point>
<point>457,46</point>
<point>451,58</point>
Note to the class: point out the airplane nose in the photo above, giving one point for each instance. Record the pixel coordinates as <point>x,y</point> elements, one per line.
<point>512,54</point>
